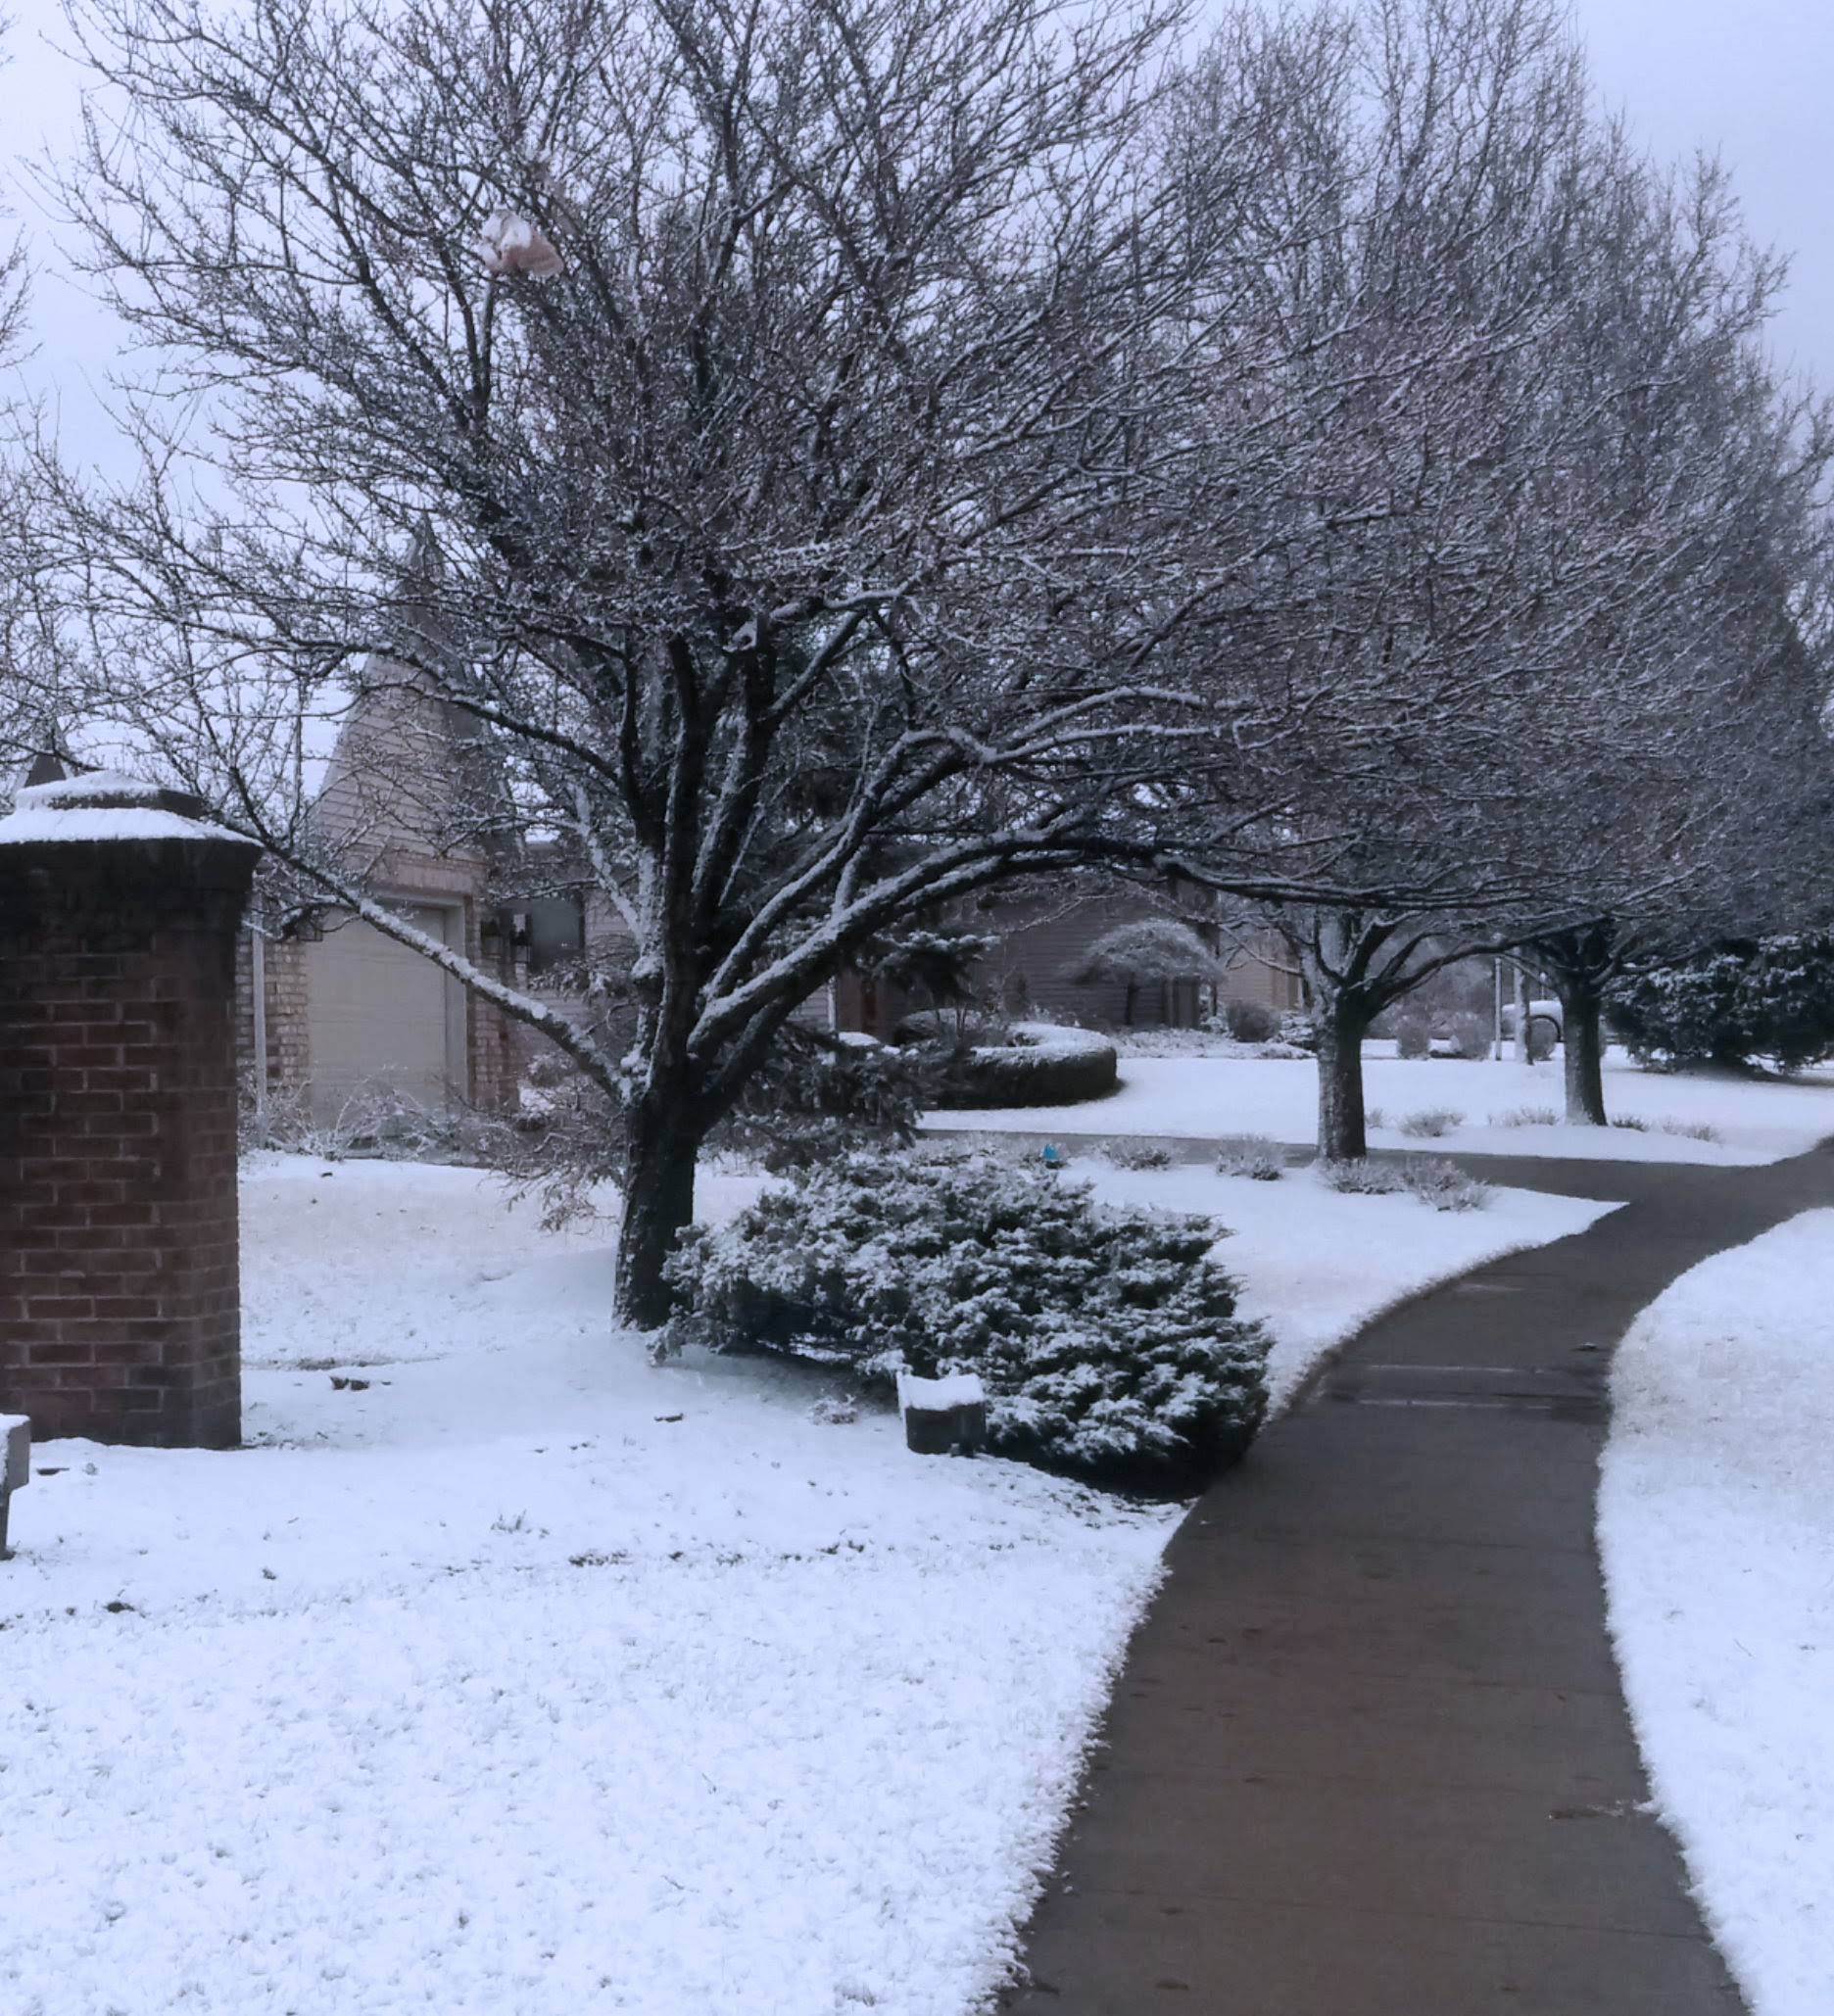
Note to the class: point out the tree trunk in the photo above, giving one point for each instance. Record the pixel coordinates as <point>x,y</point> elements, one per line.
<point>1581,963</point>
<point>1582,1039</point>
<point>659,1200</point>
<point>1342,1132</point>
<point>1523,1053</point>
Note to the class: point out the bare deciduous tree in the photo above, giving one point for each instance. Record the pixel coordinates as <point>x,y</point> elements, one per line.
<point>775,400</point>
<point>835,459</point>
<point>27,715</point>
<point>1540,500</point>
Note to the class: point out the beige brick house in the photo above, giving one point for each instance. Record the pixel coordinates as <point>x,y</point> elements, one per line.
<point>334,1009</point>
<point>337,1012</point>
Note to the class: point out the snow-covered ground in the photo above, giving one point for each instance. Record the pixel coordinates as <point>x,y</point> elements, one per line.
<point>530,1680</point>
<point>1716,1527</point>
<point>1205,1097</point>
<point>527,1679</point>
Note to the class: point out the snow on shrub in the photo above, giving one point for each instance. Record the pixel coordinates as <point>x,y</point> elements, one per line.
<point>1107,1339</point>
<point>1038,1065</point>
<point>1131,1152</point>
<point>1361,1178</point>
<point>1430,1122</point>
<point>1413,1031</point>
<point>1420,1032</point>
<point>1250,1021</point>
<point>1688,1129</point>
<point>1442,1185</point>
<point>817,1094</point>
<point>1253,1156</point>
<point>1445,1185</point>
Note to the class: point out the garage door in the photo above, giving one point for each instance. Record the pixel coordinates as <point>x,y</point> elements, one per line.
<point>382,1016</point>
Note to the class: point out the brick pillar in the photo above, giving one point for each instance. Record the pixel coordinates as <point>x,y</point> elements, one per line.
<point>120,1312</point>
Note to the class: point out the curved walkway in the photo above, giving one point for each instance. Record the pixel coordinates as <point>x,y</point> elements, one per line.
<point>1368,1755</point>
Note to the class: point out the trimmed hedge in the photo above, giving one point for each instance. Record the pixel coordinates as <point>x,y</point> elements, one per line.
<point>1107,1340</point>
<point>1042,1065</point>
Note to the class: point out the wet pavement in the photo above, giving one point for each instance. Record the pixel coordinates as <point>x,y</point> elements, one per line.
<point>1368,1755</point>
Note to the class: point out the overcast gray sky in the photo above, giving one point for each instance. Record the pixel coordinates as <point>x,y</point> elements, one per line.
<point>1751,81</point>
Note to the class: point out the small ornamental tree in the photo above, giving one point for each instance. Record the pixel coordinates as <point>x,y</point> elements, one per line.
<point>937,968</point>
<point>1151,951</point>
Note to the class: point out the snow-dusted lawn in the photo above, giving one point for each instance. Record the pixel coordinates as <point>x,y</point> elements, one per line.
<point>1204,1098</point>
<point>1716,1526</point>
<point>531,1680</point>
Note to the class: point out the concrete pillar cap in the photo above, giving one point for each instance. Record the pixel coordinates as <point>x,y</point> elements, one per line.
<point>107,804</point>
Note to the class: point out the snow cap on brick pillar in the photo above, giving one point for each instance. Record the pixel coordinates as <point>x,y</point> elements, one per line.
<point>119,1284</point>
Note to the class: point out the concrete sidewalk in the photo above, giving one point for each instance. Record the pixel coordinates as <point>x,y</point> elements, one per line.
<point>1368,1755</point>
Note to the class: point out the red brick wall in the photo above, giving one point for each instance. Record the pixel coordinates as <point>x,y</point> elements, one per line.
<point>119,1282</point>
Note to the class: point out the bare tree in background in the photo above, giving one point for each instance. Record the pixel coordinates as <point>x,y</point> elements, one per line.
<point>28,699</point>
<point>1536,488</point>
<point>1713,819</point>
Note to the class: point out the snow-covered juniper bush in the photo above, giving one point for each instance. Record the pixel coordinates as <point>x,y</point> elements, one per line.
<point>1108,1339</point>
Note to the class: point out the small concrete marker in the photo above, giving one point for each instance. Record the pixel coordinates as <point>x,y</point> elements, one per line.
<point>943,1415</point>
<point>16,1430</point>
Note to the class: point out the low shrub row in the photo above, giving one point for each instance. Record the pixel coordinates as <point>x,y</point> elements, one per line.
<point>1441,1183</point>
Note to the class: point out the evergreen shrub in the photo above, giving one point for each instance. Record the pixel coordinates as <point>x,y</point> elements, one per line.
<point>1107,1339</point>
<point>817,1095</point>
<point>1771,999</point>
<point>1685,1014</point>
<point>1250,1021</point>
<point>1038,1065</point>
